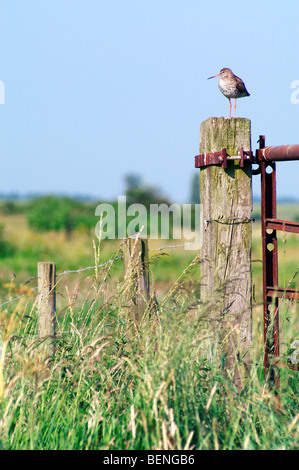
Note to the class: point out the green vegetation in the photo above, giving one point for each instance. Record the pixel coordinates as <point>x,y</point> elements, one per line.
<point>164,388</point>
<point>137,191</point>
<point>55,213</point>
<point>6,248</point>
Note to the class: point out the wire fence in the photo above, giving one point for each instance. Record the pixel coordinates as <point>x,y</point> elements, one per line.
<point>19,339</point>
<point>104,265</point>
<point>78,271</point>
<point>88,268</point>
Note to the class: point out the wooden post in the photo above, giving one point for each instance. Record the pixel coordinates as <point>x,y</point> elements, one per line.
<point>47,304</point>
<point>226,195</point>
<point>137,276</point>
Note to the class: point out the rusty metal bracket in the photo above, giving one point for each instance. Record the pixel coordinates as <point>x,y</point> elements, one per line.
<point>222,157</point>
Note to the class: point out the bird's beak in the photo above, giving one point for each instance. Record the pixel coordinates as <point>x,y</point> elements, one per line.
<point>214,76</point>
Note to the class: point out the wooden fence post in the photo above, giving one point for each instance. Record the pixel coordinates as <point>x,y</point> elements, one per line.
<point>137,275</point>
<point>47,304</point>
<point>226,195</point>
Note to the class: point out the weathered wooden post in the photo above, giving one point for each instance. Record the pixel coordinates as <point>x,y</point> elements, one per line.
<point>137,275</point>
<point>47,304</point>
<point>226,197</point>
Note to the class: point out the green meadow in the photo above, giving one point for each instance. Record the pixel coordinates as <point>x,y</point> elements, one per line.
<point>163,387</point>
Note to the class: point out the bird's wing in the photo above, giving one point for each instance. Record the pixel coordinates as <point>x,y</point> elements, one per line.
<point>240,85</point>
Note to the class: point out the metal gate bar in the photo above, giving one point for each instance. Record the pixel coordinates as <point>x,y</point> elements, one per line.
<point>266,157</point>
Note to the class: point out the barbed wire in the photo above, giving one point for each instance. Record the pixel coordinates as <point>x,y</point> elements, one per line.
<point>175,246</point>
<point>99,266</point>
<point>89,267</point>
<point>58,275</point>
<point>231,219</point>
<point>16,298</point>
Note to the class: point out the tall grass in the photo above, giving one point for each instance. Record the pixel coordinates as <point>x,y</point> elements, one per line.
<point>162,388</point>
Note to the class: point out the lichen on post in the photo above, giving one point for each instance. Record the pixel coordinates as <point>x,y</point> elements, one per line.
<point>137,277</point>
<point>226,283</point>
<point>47,305</point>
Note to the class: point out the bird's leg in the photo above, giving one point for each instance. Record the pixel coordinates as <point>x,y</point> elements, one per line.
<point>230,108</point>
<point>235,107</point>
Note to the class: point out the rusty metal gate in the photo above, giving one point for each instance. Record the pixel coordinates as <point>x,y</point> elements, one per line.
<point>266,158</point>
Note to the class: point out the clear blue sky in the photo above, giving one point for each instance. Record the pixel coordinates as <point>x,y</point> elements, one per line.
<point>96,89</point>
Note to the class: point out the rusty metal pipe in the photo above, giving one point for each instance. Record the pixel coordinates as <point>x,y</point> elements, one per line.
<point>278,153</point>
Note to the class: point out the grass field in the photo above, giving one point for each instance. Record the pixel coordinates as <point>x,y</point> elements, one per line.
<point>163,388</point>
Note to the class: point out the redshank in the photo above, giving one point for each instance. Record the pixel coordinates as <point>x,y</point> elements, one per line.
<point>231,86</point>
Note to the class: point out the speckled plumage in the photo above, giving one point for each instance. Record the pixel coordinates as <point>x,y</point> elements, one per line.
<point>231,86</point>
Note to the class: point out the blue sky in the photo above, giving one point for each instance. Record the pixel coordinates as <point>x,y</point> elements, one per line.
<point>95,90</point>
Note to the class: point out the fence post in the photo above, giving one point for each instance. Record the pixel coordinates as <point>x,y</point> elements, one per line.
<point>47,304</point>
<point>137,275</point>
<point>226,195</point>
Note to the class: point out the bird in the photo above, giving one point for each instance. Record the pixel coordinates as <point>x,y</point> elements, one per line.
<point>231,86</point>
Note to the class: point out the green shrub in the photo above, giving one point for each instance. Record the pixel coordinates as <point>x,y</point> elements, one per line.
<point>6,248</point>
<point>59,213</point>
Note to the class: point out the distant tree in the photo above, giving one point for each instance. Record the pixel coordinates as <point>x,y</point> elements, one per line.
<point>9,207</point>
<point>138,192</point>
<point>51,213</point>
<point>133,182</point>
<point>60,213</point>
<point>194,196</point>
